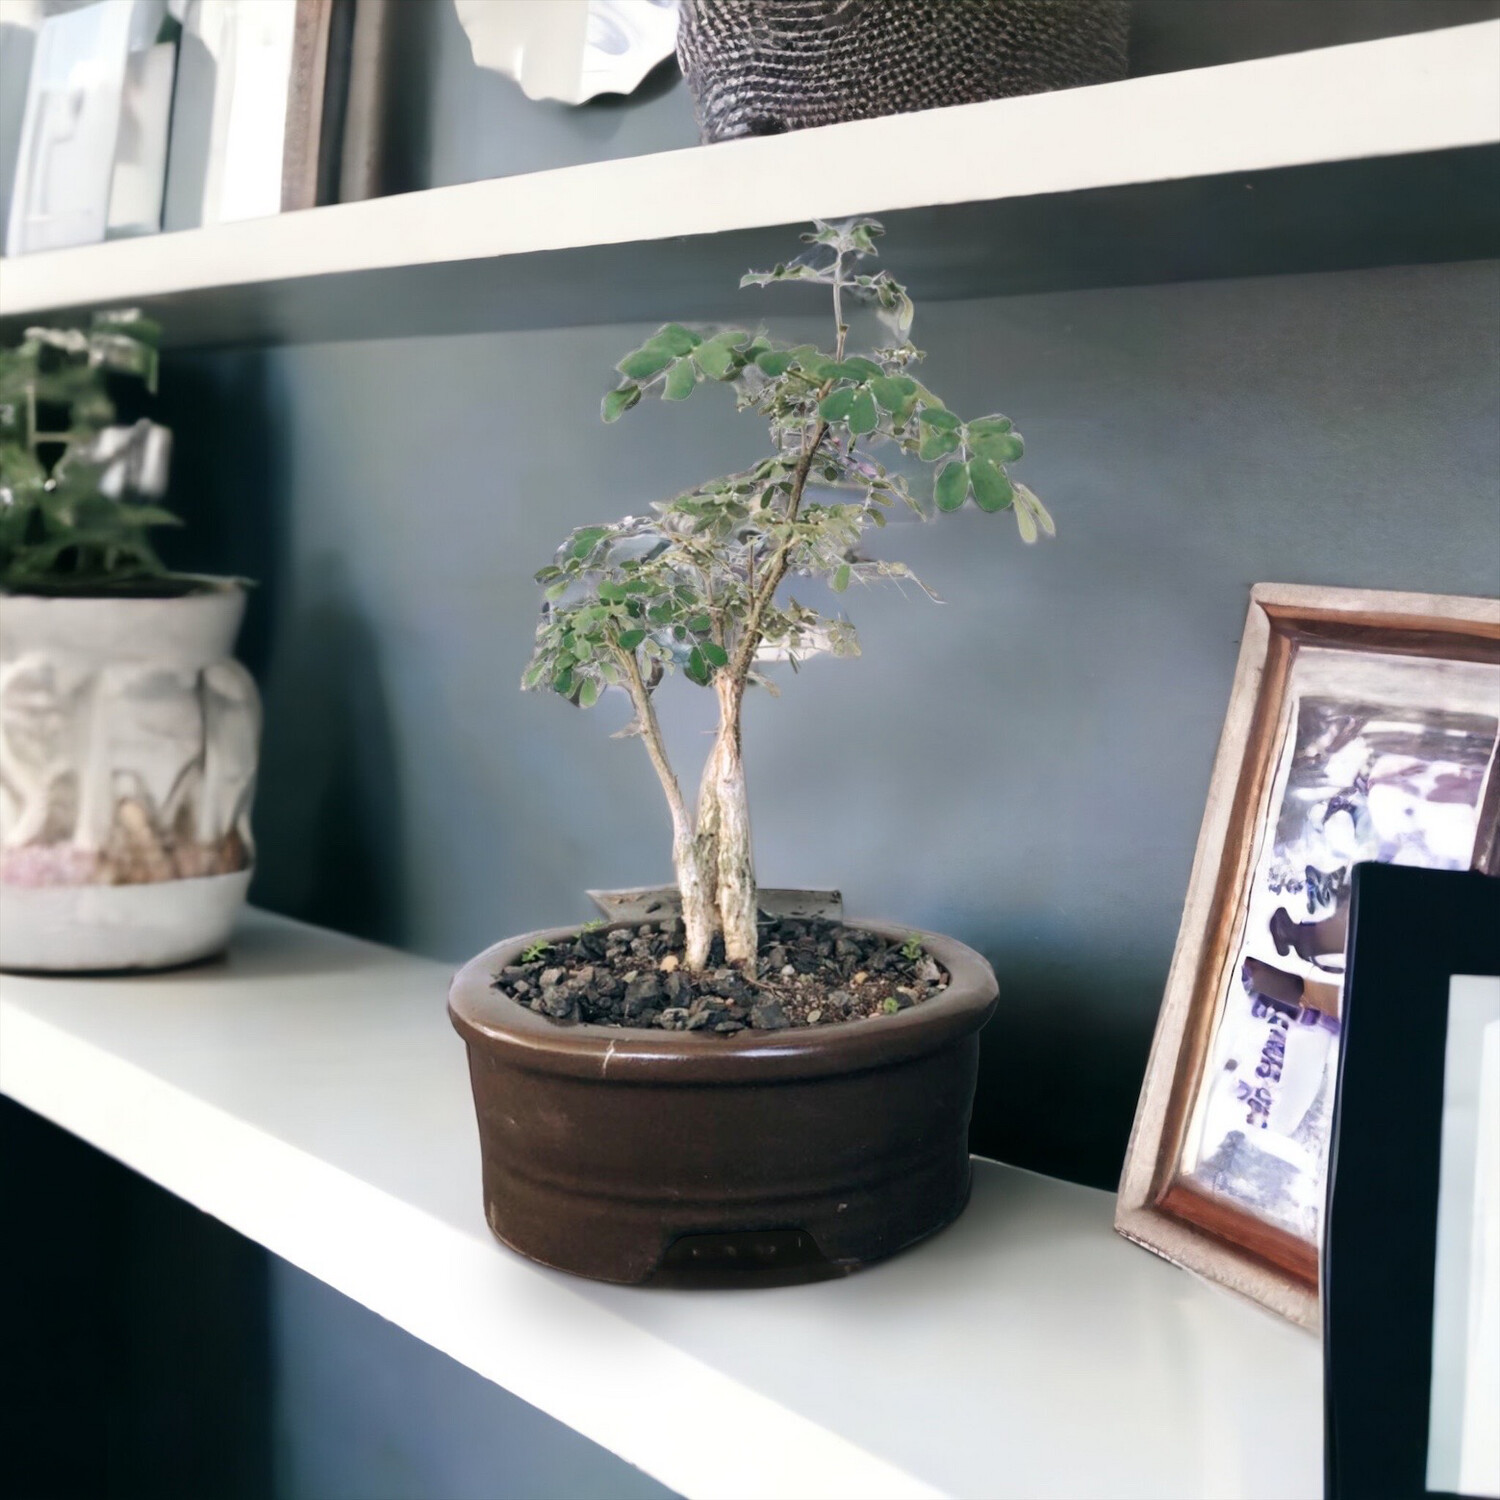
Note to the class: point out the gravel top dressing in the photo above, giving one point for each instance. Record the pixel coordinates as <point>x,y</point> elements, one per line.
<point>808,973</point>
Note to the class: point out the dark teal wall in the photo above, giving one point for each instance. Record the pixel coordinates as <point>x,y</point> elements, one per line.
<point>1024,765</point>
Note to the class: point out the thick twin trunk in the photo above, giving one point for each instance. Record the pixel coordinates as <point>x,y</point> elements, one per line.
<point>717,876</point>
<point>736,865</point>
<point>696,883</point>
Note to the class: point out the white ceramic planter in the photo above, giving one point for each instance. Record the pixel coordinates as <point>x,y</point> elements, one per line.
<point>128,743</point>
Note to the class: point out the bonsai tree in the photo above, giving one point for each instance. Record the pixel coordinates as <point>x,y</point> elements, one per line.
<point>75,487</point>
<point>696,587</point>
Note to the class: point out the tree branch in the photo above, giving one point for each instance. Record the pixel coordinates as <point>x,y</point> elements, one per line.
<point>744,656</point>
<point>682,828</point>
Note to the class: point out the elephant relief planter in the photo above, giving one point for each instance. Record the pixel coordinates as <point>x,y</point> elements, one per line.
<point>128,738</point>
<point>128,734</point>
<point>721,1069</point>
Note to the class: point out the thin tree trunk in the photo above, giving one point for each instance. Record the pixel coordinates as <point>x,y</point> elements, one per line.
<point>695,875</point>
<point>695,884</point>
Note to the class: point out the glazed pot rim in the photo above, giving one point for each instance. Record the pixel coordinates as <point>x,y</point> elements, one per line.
<point>483,1016</point>
<point>205,586</point>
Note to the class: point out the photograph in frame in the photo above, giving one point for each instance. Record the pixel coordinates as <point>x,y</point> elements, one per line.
<point>1364,727</point>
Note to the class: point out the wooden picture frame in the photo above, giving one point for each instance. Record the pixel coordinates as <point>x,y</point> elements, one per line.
<point>1301,646</point>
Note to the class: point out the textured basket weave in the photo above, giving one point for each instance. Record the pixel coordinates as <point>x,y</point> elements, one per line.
<point>759,67</point>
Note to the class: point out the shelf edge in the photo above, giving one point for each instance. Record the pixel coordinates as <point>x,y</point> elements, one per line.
<point>517,1325</point>
<point>1396,96</point>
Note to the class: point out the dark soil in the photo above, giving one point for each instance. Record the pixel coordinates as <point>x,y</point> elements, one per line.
<point>808,973</point>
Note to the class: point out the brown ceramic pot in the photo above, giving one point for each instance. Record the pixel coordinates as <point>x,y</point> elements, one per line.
<point>603,1146</point>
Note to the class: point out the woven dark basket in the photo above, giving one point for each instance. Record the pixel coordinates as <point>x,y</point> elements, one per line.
<point>759,67</point>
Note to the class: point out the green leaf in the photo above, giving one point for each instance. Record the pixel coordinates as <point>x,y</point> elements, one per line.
<point>1026,524</point>
<point>837,406</point>
<point>643,363</point>
<point>680,381</point>
<point>893,391</point>
<point>588,539</point>
<point>716,360</point>
<point>563,681</point>
<point>998,447</point>
<point>588,693</point>
<point>630,639</point>
<point>697,667</point>
<point>935,441</point>
<point>775,362</point>
<point>619,401</point>
<point>557,590</point>
<point>939,417</point>
<point>819,366</point>
<point>714,653</point>
<point>840,579</point>
<point>983,427</point>
<point>857,368</point>
<point>700,624</point>
<point>862,414</point>
<point>1030,513</point>
<point>952,487</point>
<point>675,339</point>
<point>992,490</point>
<point>148,515</point>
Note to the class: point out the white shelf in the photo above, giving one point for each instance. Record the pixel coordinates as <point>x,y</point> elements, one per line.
<point>1375,151</point>
<point>310,1093</point>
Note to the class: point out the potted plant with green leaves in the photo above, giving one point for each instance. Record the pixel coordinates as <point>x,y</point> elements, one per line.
<point>128,734</point>
<point>721,1071</point>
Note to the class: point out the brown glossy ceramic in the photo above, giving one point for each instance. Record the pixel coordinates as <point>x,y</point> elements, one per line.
<point>603,1146</point>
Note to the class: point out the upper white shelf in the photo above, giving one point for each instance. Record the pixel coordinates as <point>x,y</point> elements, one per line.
<point>1359,154</point>
<point>310,1093</point>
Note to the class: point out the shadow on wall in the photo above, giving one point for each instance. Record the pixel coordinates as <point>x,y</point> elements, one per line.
<point>1058,1074</point>
<point>327,810</point>
<point>1061,1060</point>
<point>1167,35</point>
<point>329,813</point>
<point>228,482</point>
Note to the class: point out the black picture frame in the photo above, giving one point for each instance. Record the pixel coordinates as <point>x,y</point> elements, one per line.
<point>1410,932</point>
